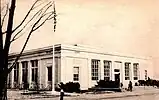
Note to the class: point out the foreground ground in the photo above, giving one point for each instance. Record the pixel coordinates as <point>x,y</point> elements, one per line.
<point>138,93</point>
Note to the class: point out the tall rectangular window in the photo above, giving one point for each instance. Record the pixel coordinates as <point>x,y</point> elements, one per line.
<point>25,71</point>
<point>75,73</point>
<point>34,68</point>
<point>16,72</point>
<point>127,71</point>
<point>49,73</point>
<point>95,69</point>
<point>107,65</point>
<point>135,70</point>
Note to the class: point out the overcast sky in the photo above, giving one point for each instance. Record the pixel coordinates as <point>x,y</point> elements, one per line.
<point>122,26</point>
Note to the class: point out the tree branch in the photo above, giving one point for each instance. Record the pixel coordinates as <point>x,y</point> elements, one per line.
<point>17,58</point>
<point>42,16</point>
<point>36,14</point>
<point>34,28</point>
<point>5,15</point>
<point>32,7</point>
<point>38,5</point>
<point>15,36</point>
<point>48,18</point>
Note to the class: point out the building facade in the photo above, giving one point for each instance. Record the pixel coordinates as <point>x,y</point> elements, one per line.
<point>75,63</point>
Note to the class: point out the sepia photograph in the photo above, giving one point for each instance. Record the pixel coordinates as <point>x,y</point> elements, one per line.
<point>79,50</point>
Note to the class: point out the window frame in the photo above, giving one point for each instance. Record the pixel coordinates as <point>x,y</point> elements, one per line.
<point>25,71</point>
<point>76,74</point>
<point>16,72</point>
<point>135,71</point>
<point>127,70</point>
<point>107,66</point>
<point>95,68</point>
<point>34,71</point>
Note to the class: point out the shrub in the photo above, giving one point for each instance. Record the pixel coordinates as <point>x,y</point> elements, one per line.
<point>141,82</point>
<point>136,84</point>
<point>149,82</point>
<point>70,87</point>
<point>108,84</point>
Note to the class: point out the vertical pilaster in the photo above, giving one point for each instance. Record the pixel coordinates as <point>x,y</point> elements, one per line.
<point>63,72</point>
<point>122,73</point>
<point>132,72</point>
<point>102,70</point>
<point>29,73</point>
<point>112,69</point>
<point>138,72</point>
<point>20,74</point>
<point>125,82</point>
<point>89,73</point>
<point>12,78</point>
<point>123,64</point>
<point>46,75</point>
<point>39,72</point>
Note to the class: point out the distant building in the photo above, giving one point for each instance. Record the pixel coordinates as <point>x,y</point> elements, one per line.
<point>74,63</point>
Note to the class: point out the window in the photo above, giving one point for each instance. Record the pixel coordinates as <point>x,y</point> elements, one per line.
<point>145,74</point>
<point>107,65</point>
<point>34,68</point>
<point>127,71</point>
<point>49,73</point>
<point>25,71</point>
<point>16,72</point>
<point>95,69</point>
<point>135,70</point>
<point>76,73</point>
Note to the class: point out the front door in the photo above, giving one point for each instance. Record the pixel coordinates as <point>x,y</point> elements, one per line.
<point>117,79</point>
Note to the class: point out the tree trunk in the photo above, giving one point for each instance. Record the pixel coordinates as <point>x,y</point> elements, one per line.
<point>3,87</point>
<point>4,53</point>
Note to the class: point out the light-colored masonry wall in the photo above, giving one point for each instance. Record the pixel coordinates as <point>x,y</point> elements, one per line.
<point>71,56</point>
<point>44,60</point>
<point>44,73</point>
<point>79,56</point>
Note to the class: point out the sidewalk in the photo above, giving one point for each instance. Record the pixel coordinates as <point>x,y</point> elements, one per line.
<point>137,91</point>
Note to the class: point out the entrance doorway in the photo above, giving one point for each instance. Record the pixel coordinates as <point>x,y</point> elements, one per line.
<point>117,79</point>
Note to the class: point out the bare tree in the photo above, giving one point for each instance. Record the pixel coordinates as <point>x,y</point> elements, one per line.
<point>39,13</point>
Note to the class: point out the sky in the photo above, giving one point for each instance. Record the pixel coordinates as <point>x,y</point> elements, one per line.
<point>127,27</point>
<point>119,26</point>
